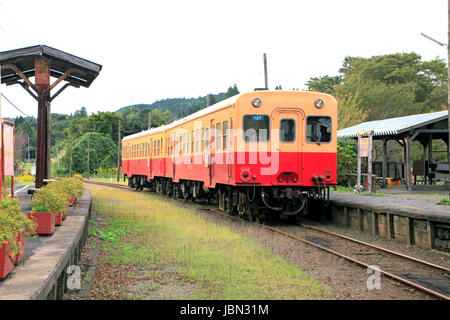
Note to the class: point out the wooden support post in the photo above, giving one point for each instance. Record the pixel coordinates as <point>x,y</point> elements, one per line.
<point>385,163</point>
<point>361,219</point>
<point>410,230</point>
<point>374,222</point>
<point>430,234</point>
<point>347,217</point>
<point>42,79</point>
<point>430,156</point>
<point>358,172</point>
<point>407,167</point>
<point>390,225</point>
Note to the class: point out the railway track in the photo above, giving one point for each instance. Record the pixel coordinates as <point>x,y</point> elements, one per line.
<point>421,275</point>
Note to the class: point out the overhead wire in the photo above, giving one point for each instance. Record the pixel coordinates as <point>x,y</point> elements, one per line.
<point>11,103</point>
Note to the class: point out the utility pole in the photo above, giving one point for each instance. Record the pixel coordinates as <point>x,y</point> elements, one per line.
<point>88,158</point>
<point>118,154</point>
<point>57,156</point>
<point>266,81</point>
<point>208,100</point>
<point>28,151</point>
<point>70,159</point>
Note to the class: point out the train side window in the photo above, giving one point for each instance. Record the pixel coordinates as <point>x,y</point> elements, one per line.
<point>256,128</point>
<point>287,130</point>
<point>192,142</point>
<point>207,139</point>
<point>318,129</point>
<point>218,137</point>
<point>202,139</point>
<point>197,141</point>
<point>231,134</point>
<point>225,135</point>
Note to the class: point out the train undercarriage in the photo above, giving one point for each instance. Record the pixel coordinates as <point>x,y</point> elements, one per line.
<point>254,203</point>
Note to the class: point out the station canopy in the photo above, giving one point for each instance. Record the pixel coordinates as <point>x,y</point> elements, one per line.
<point>434,123</point>
<point>60,62</point>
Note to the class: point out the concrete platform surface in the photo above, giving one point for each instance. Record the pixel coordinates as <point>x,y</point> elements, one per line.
<point>47,257</point>
<point>420,206</point>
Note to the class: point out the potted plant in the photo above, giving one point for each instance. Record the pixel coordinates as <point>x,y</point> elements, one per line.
<point>23,226</point>
<point>44,218</point>
<point>7,233</point>
<point>46,204</point>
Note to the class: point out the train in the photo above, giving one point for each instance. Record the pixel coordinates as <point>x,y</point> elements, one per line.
<point>258,154</point>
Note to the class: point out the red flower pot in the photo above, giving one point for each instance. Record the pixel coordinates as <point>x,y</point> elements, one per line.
<point>64,216</point>
<point>6,261</point>
<point>20,240</point>
<point>75,200</point>
<point>45,222</point>
<point>58,219</point>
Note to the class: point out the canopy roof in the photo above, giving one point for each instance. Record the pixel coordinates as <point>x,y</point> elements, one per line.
<point>60,62</point>
<point>394,126</point>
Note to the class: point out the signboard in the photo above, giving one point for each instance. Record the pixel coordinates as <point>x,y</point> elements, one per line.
<point>8,148</point>
<point>363,147</point>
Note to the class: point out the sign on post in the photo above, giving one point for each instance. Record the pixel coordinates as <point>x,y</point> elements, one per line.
<point>365,150</point>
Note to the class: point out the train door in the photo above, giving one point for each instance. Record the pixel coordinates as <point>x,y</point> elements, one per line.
<point>286,146</point>
<point>212,152</point>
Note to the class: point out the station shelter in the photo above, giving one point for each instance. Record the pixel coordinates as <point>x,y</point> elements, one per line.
<point>424,128</point>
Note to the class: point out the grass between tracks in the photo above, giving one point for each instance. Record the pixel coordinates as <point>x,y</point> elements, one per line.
<point>169,252</point>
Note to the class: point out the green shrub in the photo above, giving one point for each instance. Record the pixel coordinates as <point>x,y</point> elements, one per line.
<point>51,199</point>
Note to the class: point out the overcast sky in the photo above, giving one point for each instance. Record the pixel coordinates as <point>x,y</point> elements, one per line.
<point>152,50</point>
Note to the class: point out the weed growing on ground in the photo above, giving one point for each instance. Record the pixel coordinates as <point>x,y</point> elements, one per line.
<point>177,251</point>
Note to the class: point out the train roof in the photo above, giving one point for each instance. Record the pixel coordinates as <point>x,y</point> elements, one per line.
<point>217,106</point>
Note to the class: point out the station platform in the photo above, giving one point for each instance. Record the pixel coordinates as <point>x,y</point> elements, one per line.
<point>413,217</point>
<point>42,272</point>
<point>415,204</point>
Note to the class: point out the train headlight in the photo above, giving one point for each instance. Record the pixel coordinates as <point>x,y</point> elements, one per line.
<point>319,103</point>
<point>257,102</point>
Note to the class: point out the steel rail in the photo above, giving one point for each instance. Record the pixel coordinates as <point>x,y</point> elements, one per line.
<point>386,273</point>
<point>381,249</point>
<point>360,263</point>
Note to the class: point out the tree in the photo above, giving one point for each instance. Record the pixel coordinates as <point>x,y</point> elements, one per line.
<point>325,84</point>
<point>102,153</point>
<point>232,91</point>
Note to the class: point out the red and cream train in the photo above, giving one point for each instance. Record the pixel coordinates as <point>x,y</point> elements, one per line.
<point>257,153</point>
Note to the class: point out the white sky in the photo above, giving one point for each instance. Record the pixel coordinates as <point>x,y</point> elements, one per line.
<point>153,50</point>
